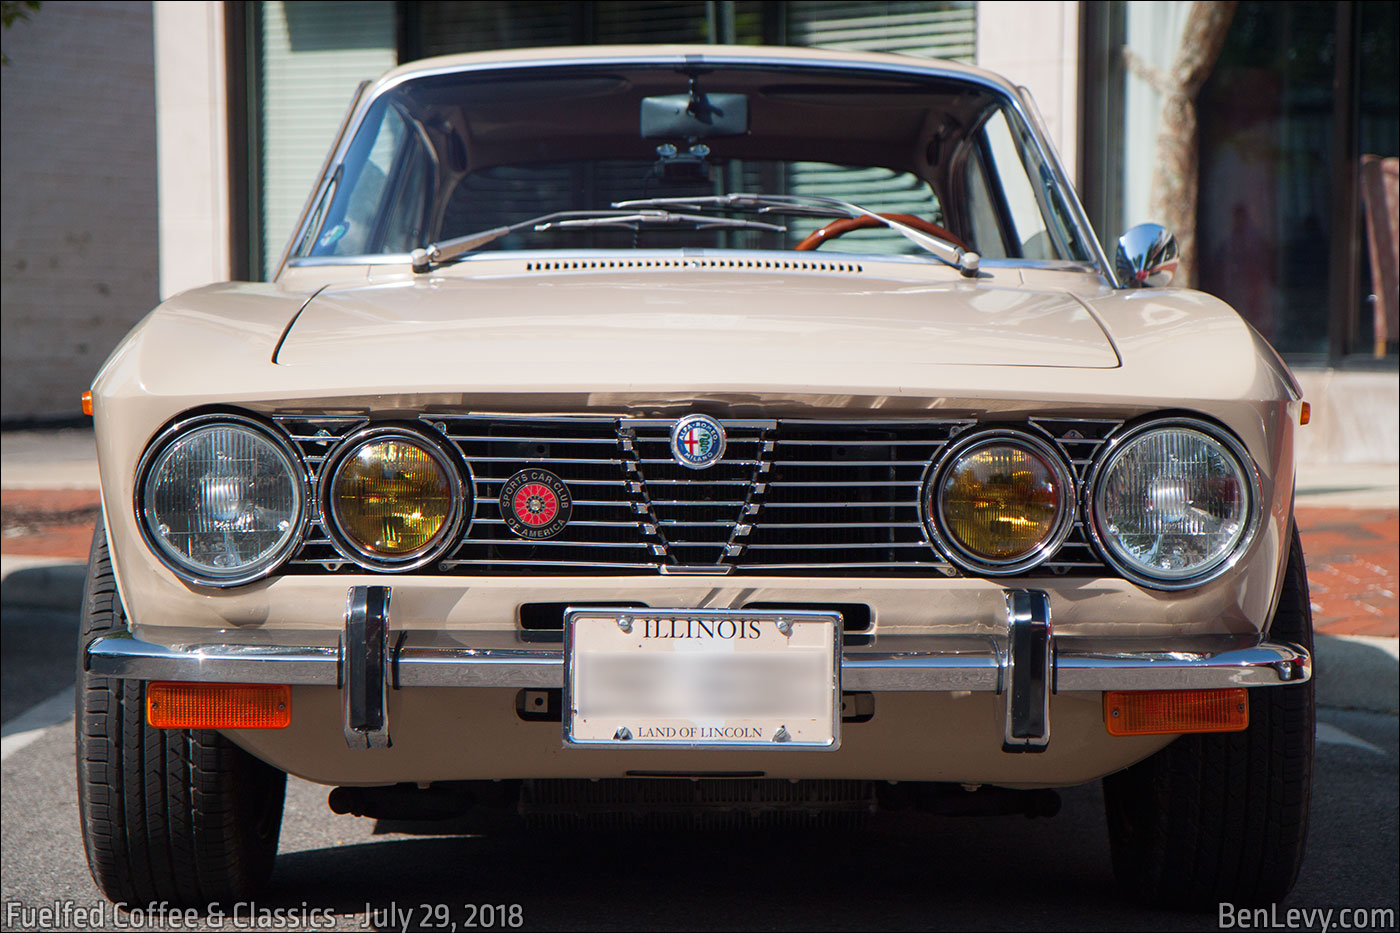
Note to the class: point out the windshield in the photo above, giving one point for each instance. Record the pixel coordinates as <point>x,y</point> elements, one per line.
<point>447,156</point>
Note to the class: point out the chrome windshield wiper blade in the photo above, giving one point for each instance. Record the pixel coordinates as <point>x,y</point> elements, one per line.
<point>633,219</point>
<point>965,261</point>
<point>758,203</point>
<point>436,253</point>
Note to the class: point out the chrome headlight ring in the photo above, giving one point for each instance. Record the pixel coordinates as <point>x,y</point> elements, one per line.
<point>165,443</point>
<point>931,506</point>
<point>1248,470</point>
<point>444,539</point>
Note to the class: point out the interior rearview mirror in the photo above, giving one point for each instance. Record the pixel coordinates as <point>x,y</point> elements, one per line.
<point>694,116</point>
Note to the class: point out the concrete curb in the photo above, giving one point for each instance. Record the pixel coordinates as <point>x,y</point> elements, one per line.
<point>1352,671</point>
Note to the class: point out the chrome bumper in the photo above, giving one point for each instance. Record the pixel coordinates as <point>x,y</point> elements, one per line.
<point>418,662</point>
<point>1027,663</point>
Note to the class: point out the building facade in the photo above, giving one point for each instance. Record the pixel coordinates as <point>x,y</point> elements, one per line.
<point>78,252</point>
<point>1286,100</point>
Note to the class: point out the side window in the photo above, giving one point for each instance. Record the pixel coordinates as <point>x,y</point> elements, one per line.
<point>1028,231</point>
<point>986,232</point>
<point>404,217</point>
<point>318,216</point>
<point>358,198</point>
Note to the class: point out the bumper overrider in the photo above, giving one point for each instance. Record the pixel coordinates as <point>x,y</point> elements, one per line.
<point>1026,664</point>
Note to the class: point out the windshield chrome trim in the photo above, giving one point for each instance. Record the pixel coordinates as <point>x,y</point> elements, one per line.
<point>1041,133</point>
<point>1010,94</point>
<point>679,252</point>
<point>353,117</point>
<point>1082,267</point>
<point>1049,265</point>
<point>364,259</point>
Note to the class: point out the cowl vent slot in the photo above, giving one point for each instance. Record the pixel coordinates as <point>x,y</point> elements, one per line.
<point>776,265</point>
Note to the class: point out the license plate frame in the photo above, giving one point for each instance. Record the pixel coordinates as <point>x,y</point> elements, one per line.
<point>814,644</point>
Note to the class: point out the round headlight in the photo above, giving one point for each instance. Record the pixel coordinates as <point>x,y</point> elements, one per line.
<point>1001,503</point>
<point>222,501</point>
<point>1173,503</point>
<point>393,499</point>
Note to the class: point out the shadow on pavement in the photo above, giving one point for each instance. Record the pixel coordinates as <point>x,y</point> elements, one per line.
<point>37,660</point>
<point>1356,672</point>
<point>905,870</point>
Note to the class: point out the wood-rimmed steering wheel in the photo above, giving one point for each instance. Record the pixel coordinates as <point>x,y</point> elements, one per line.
<point>846,224</point>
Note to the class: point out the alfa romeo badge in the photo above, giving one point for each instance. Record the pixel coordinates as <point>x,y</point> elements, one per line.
<point>536,504</point>
<point>697,441</point>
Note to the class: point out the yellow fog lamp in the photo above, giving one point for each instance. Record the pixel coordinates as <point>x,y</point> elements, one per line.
<point>1000,503</point>
<point>394,499</point>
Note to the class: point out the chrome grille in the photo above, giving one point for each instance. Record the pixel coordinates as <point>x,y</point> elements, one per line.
<point>697,517</point>
<point>603,533</point>
<point>846,495</point>
<point>790,496</point>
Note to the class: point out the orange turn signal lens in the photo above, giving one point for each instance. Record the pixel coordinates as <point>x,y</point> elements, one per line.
<point>1162,712</point>
<point>87,402</point>
<point>218,706</point>
<point>1305,414</point>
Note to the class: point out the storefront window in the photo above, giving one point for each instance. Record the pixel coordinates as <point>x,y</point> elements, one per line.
<point>1278,188</point>
<point>1378,127</point>
<point>1265,153</point>
<point>1297,127</point>
<point>308,59</point>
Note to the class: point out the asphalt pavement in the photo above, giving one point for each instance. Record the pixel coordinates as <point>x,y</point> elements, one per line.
<point>902,872</point>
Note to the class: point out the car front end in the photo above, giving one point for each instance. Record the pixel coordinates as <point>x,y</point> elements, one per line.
<point>675,500</point>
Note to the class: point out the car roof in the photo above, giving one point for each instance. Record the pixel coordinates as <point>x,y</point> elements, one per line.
<point>690,54</point>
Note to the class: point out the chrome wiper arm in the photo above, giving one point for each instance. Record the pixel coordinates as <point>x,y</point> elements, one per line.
<point>425,258</point>
<point>965,261</point>
<point>436,253</point>
<point>757,203</point>
<point>634,219</point>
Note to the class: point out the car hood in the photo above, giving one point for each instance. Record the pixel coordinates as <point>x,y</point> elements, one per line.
<point>690,327</point>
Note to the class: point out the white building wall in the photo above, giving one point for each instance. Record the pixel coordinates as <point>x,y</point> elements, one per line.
<point>314,56</point>
<point>1036,45</point>
<point>78,225</point>
<point>191,85</point>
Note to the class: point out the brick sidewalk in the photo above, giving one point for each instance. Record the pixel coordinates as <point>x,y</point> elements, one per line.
<point>48,522</point>
<point>1352,573</point>
<point>1352,553</point>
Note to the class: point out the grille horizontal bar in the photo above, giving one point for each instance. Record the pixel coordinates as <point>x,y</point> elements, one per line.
<point>790,496</point>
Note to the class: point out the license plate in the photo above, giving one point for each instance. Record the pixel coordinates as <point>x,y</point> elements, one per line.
<point>701,679</point>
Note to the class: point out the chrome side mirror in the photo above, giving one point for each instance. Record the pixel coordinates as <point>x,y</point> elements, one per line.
<point>1147,257</point>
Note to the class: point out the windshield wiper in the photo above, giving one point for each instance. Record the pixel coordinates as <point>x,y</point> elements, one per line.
<point>633,219</point>
<point>965,261</point>
<point>436,253</point>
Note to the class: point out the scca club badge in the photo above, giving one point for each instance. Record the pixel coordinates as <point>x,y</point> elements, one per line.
<point>536,504</point>
<point>697,441</point>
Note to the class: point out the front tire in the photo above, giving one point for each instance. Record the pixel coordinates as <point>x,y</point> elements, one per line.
<point>1215,818</point>
<point>176,815</point>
